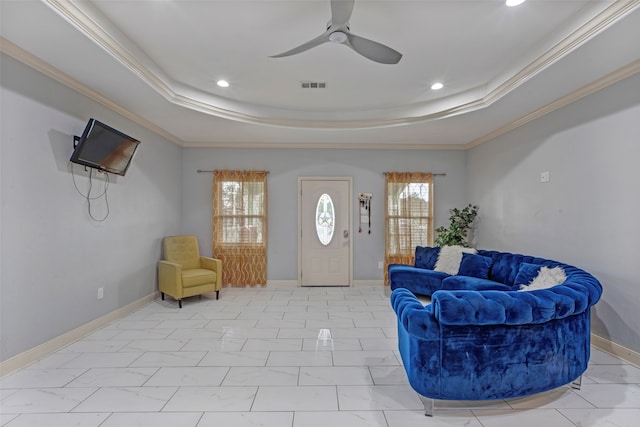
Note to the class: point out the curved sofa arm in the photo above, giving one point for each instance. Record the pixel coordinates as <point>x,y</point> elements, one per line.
<point>579,292</point>
<point>418,280</point>
<point>413,316</point>
<point>512,307</point>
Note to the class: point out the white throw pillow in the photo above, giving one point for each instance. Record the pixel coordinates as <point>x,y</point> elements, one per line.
<point>546,278</point>
<point>450,257</point>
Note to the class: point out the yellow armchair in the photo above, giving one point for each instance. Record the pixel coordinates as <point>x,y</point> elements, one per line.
<point>184,273</point>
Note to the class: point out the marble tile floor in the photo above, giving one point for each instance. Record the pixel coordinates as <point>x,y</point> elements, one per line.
<point>276,357</point>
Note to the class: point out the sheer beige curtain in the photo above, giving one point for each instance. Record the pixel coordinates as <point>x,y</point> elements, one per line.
<point>409,216</point>
<point>240,226</point>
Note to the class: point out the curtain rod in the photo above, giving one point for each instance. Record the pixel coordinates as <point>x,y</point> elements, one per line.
<point>211,171</point>
<point>433,174</point>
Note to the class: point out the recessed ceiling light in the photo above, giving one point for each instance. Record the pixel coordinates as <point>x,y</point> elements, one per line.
<point>437,86</point>
<point>512,3</point>
<point>223,83</point>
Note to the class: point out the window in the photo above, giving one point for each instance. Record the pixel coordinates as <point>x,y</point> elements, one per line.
<point>240,226</point>
<point>409,218</point>
<point>242,212</point>
<point>325,219</point>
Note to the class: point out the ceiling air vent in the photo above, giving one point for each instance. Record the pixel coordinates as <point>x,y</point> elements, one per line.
<point>313,85</point>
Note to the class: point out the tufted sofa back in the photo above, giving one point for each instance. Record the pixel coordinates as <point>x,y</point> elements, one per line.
<point>506,265</point>
<point>579,292</point>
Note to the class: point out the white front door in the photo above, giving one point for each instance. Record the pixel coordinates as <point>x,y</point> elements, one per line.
<point>325,231</point>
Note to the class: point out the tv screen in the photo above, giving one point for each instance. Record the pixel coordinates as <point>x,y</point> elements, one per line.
<point>104,148</point>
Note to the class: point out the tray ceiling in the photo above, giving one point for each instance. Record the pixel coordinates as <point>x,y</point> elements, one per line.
<point>159,62</point>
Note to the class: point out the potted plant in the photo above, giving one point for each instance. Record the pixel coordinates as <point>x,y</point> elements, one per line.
<point>458,231</point>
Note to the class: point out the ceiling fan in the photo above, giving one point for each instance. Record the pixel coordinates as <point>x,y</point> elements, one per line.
<point>338,32</point>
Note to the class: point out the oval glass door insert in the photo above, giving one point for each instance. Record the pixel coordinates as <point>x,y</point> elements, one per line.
<point>325,219</point>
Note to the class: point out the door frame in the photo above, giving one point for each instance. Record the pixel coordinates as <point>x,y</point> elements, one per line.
<point>349,179</point>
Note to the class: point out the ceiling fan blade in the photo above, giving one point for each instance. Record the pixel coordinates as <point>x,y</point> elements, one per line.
<point>338,32</point>
<point>341,12</point>
<point>305,46</point>
<point>373,50</point>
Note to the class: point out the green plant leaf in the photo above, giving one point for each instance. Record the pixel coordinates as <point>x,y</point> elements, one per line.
<point>460,223</point>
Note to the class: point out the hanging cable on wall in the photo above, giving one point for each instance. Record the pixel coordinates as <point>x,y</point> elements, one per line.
<point>88,196</point>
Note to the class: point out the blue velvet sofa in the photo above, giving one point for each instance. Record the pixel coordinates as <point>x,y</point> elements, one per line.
<point>480,338</point>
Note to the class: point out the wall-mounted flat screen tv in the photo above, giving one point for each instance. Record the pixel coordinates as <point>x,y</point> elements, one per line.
<point>104,148</point>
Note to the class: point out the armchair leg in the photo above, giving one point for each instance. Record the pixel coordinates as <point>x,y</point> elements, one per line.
<point>162,295</point>
<point>429,405</point>
<point>217,294</point>
<point>180,303</point>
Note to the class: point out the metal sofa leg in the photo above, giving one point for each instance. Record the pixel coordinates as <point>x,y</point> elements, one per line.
<point>577,383</point>
<point>429,405</point>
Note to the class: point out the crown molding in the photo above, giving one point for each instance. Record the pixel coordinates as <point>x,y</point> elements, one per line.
<point>54,73</point>
<point>328,145</point>
<point>593,87</point>
<point>87,21</point>
<point>37,64</point>
<point>577,38</point>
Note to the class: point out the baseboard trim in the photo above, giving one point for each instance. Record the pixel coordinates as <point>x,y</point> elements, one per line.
<point>616,349</point>
<point>38,352</point>
<point>294,283</point>
<point>284,283</point>
<point>368,282</point>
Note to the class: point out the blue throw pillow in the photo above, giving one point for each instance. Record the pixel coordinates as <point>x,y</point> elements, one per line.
<point>426,257</point>
<point>474,265</point>
<point>527,273</point>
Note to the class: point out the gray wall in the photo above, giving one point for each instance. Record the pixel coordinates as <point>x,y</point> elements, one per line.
<point>587,214</point>
<point>286,165</point>
<point>53,256</point>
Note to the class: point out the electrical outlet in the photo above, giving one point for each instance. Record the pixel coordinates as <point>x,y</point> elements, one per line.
<point>380,265</point>
<point>100,293</point>
<point>544,176</point>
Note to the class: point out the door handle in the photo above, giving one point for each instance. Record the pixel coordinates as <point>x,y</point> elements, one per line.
<point>345,234</point>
